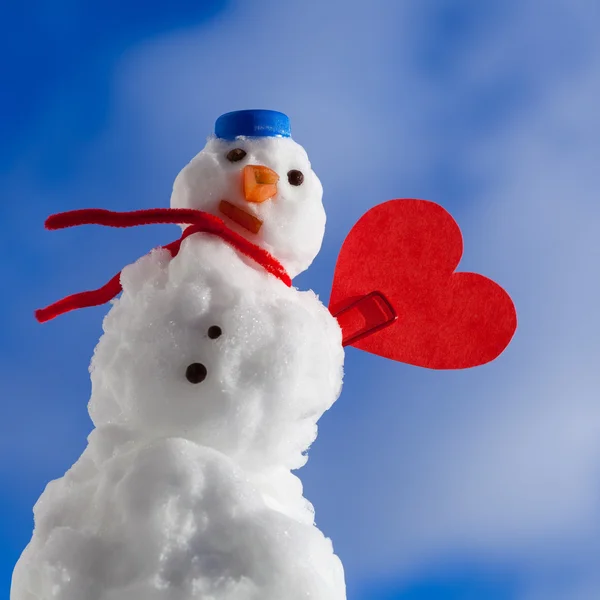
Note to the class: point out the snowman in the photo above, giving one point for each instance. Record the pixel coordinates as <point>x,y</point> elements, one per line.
<point>206,390</point>
<point>212,373</point>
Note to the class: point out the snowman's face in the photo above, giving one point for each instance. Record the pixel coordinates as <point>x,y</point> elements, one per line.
<point>264,189</point>
<point>207,348</point>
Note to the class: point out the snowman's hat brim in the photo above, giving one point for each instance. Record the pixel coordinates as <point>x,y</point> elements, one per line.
<point>252,123</point>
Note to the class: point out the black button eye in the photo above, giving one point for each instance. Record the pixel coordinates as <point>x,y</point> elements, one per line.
<point>196,373</point>
<point>235,155</point>
<point>295,177</point>
<point>214,331</point>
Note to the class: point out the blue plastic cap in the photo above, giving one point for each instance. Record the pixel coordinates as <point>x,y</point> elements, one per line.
<point>252,123</point>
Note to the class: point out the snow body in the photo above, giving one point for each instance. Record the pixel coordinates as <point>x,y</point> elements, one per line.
<point>185,490</point>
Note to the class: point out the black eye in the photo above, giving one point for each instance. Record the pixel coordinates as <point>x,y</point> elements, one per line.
<point>196,373</point>
<point>295,177</point>
<point>214,331</point>
<point>235,155</point>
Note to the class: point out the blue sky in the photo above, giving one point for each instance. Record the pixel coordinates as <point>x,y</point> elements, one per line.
<point>446,486</point>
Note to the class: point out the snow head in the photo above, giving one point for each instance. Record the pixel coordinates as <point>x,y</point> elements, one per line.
<point>210,348</point>
<point>260,182</point>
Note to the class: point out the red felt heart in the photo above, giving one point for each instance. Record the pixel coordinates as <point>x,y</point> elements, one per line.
<point>407,251</point>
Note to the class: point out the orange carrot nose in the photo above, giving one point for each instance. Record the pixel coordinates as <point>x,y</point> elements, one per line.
<point>260,183</point>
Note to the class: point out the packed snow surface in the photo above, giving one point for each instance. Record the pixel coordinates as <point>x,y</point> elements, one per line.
<point>206,389</point>
<point>293,220</point>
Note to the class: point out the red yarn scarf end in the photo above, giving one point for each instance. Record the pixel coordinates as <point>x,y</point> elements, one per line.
<point>198,221</point>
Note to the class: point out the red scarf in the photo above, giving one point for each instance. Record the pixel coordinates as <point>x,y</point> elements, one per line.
<point>198,222</point>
